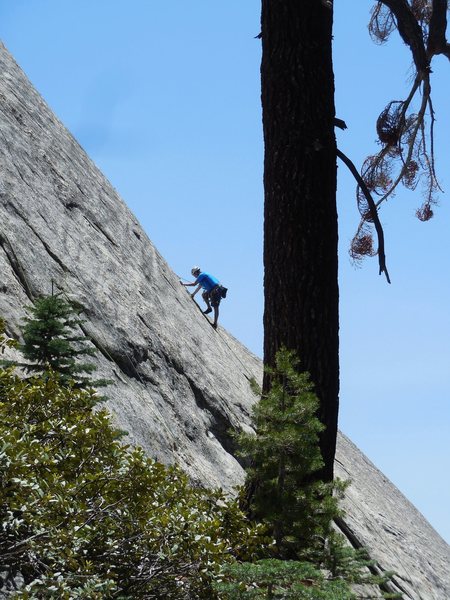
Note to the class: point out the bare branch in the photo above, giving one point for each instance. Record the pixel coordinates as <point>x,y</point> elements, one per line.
<point>411,142</point>
<point>373,212</point>
<point>433,120</point>
<point>410,32</point>
<point>406,136</point>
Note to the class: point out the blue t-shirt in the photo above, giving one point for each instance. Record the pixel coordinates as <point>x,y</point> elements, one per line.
<point>207,281</point>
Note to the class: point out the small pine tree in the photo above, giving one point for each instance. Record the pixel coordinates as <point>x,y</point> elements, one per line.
<point>283,491</point>
<point>284,455</point>
<point>50,341</point>
<point>282,579</point>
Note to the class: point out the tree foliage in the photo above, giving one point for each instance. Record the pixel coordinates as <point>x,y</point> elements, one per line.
<point>284,492</point>
<point>288,580</point>
<point>51,341</point>
<point>297,580</point>
<point>84,516</point>
<point>284,458</point>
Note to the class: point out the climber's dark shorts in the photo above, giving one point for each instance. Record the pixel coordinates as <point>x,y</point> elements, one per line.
<point>215,295</point>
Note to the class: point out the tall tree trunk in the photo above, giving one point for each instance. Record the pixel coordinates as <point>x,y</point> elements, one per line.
<point>300,218</point>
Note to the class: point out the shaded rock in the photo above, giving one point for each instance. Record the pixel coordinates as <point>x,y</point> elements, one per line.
<point>180,386</point>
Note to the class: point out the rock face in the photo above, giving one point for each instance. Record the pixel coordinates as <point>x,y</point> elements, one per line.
<point>380,518</point>
<point>179,385</point>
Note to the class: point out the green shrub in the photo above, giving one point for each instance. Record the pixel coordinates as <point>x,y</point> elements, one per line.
<point>283,458</point>
<point>87,517</point>
<point>283,491</point>
<point>290,580</point>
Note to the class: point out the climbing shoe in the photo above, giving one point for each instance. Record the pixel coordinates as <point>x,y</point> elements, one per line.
<point>207,311</point>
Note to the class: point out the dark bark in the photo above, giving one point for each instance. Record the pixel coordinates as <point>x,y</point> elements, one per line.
<point>300,218</point>
<point>437,41</point>
<point>410,32</point>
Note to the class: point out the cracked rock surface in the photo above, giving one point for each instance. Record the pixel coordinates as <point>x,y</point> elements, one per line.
<point>179,385</point>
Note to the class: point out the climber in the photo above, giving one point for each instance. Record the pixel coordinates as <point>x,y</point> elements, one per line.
<point>213,291</point>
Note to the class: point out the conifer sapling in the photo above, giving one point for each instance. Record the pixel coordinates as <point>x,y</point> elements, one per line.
<point>51,341</point>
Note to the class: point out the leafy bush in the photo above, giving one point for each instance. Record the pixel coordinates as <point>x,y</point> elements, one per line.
<point>86,517</point>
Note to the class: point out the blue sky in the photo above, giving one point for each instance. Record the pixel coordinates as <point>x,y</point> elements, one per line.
<point>165,97</point>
